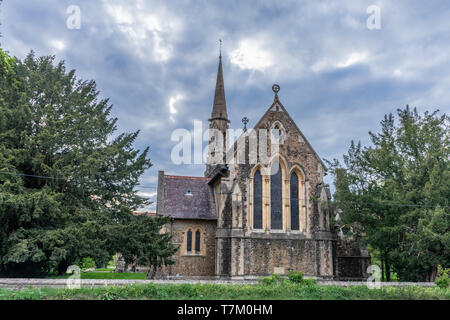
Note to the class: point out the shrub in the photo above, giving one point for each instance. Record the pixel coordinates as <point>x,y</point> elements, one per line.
<point>295,277</point>
<point>266,280</point>
<point>443,280</point>
<point>87,263</point>
<point>274,279</point>
<point>292,277</point>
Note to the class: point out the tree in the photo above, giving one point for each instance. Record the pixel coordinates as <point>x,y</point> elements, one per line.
<point>66,184</point>
<point>396,193</point>
<point>141,243</point>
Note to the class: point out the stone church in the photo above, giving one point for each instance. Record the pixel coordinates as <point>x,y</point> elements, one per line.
<point>267,214</point>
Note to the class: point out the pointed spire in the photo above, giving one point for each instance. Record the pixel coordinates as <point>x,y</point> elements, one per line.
<point>220,106</point>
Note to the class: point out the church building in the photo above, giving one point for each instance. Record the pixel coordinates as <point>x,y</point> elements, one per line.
<point>267,214</point>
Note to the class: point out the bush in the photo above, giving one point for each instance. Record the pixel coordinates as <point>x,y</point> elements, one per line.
<point>87,263</point>
<point>295,277</point>
<point>274,279</point>
<point>292,277</point>
<point>443,280</point>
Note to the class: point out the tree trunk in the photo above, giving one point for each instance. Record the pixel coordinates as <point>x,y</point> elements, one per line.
<point>383,276</point>
<point>151,273</point>
<point>155,268</point>
<point>62,268</point>
<point>387,267</point>
<point>432,274</point>
<point>388,271</point>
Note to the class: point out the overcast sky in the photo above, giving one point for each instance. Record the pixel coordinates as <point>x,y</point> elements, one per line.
<point>157,62</point>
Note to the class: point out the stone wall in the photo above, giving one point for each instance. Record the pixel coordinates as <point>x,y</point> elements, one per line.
<point>267,256</point>
<point>242,251</point>
<point>351,261</point>
<point>192,264</point>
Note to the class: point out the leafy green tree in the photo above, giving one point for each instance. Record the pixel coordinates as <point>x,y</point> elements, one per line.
<point>396,193</point>
<point>443,280</point>
<point>67,179</point>
<point>87,263</point>
<point>141,243</point>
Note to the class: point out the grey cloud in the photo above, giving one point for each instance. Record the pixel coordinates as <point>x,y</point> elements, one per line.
<point>337,77</point>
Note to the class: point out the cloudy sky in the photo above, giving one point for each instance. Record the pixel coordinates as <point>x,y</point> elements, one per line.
<point>157,62</point>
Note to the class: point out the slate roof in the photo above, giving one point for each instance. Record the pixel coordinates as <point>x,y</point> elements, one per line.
<point>187,198</point>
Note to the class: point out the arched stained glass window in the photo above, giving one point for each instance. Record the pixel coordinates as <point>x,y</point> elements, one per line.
<point>295,212</point>
<point>276,197</point>
<point>257,200</point>
<point>197,241</point>
<point>189,241</point>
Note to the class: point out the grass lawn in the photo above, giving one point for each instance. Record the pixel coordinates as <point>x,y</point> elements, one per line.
<point>105,275</point>
<point>283,291</point>
<point>105,269</point>
<point>113,275</point>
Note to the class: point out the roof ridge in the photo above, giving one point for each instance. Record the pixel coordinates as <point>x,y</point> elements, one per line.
<point>277,101</point>
<point>185,177</point>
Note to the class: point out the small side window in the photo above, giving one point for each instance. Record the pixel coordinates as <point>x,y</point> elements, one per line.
<point>189,242</point>
<point>197,241</point>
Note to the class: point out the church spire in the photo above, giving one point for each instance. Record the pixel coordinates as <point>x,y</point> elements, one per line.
<point>218,137</point>
<point>219,111</point>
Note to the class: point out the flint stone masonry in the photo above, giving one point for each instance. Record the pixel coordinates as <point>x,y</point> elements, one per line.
<point>350,259</point>
<point>18,284</point>
<point>193,265</point>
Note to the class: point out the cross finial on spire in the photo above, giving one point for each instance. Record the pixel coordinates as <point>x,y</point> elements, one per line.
<point>245,121</point>
<point>220,45</point>
<point>276,89</point>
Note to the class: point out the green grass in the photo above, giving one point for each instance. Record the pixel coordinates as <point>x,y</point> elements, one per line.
<point>105,269</point>
<point>283,291</point>
<point>114,275</point>
<point>105,275</point>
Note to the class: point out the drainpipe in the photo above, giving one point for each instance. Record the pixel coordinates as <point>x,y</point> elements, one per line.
<point>171,241</point>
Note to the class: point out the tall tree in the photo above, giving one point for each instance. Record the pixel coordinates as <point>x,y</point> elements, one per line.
<point>396,193</point>
<point>66,183</point>
<point>140,242</point>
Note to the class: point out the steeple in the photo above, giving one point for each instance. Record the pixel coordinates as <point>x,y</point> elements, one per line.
<point>219,111</point>
<point>218,125</point>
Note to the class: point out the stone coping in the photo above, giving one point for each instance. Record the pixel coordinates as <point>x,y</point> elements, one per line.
<point>383,284</point>
<point>22,283</point>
